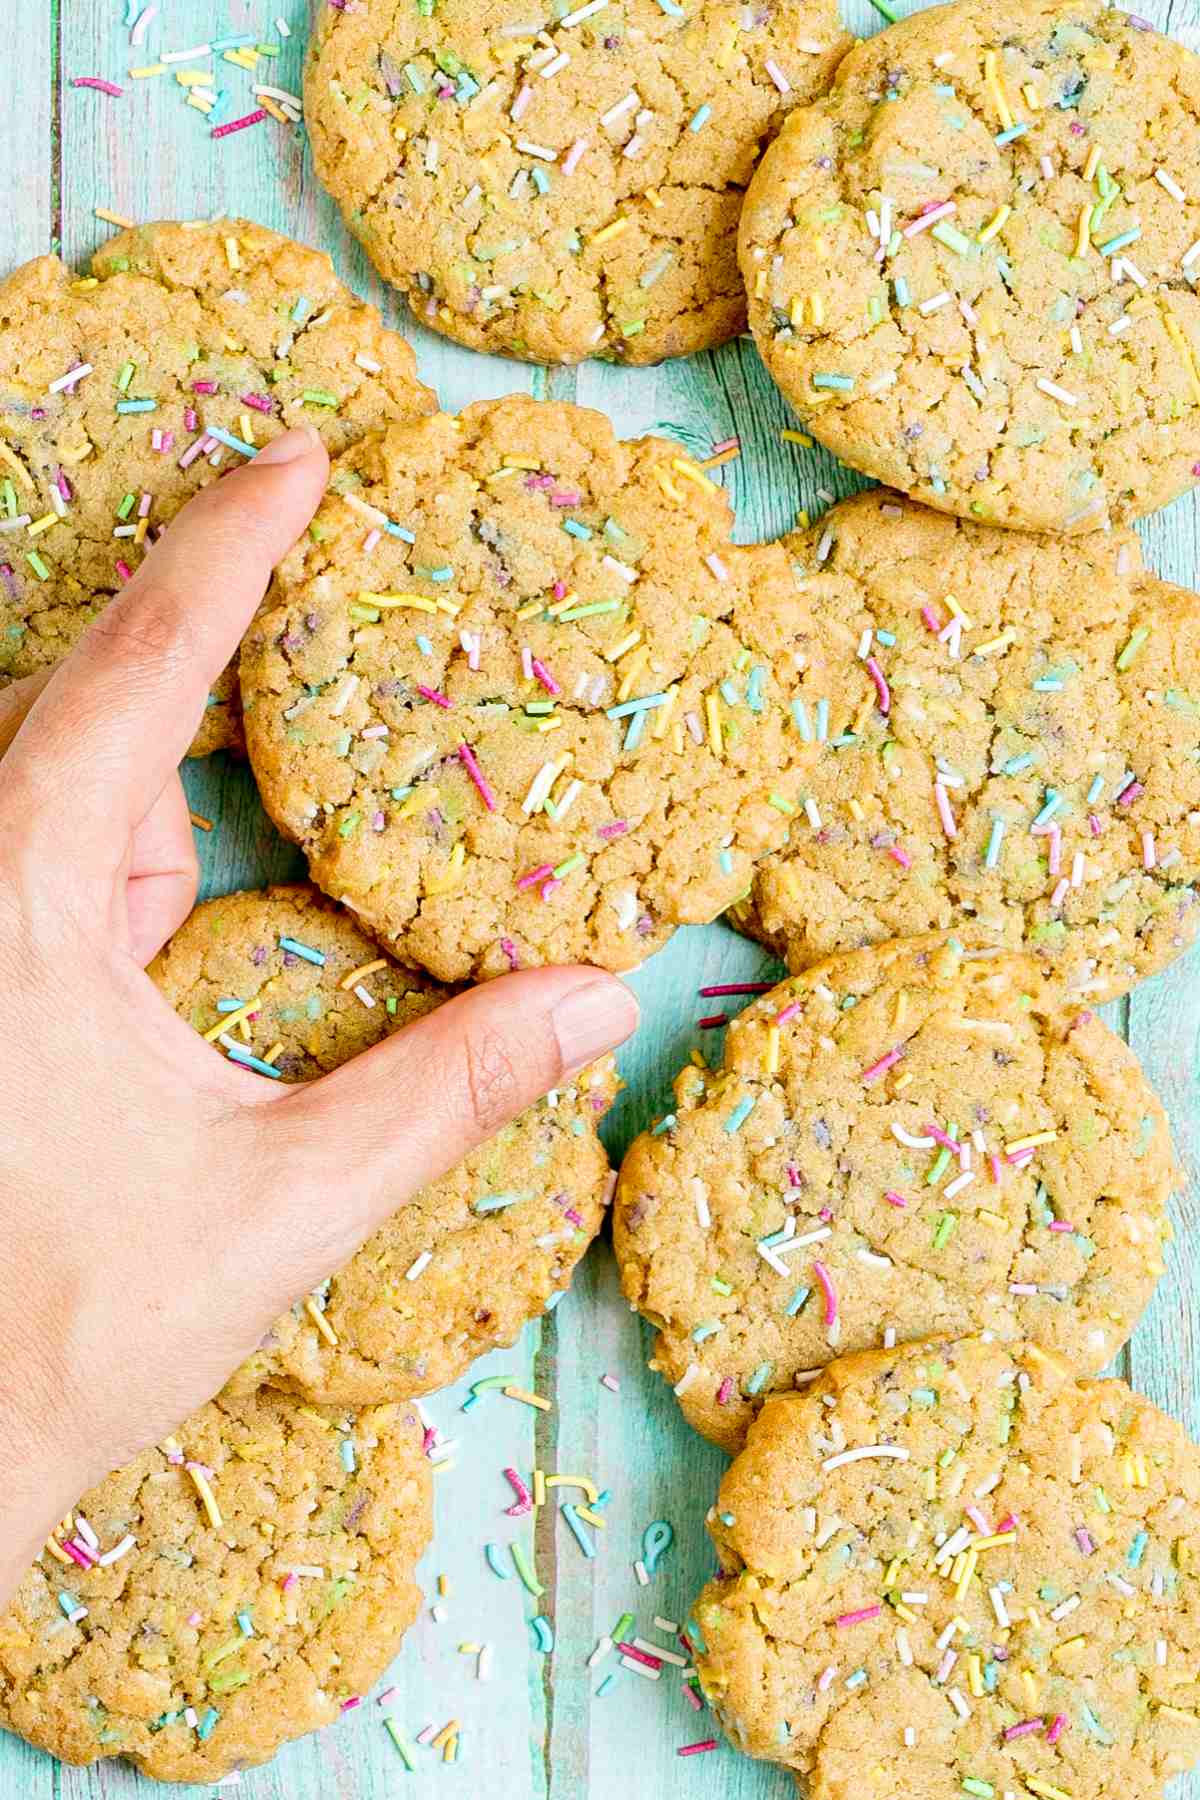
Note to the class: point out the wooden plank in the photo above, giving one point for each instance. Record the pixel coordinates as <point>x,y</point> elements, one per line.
<point>28,133</point>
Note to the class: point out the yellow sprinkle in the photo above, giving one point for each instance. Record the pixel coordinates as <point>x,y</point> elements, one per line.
<point>975,1673</point>
<point>247,425</point>
<point>996,223</point>
<point>668,487</point>
<point>579,1481</point>
<point>677,744</point>
<point>361,973</point>
<point>1070,1644</point>
<point>417,602</point>
<point>607,232</point>
<point>1045,1790</point>
<point>796,437</point>
<point>545,725</point>
<point>1175,333</point>
<point>522,462</point>
<point>455,864</point>
<point>1174,1712</point>
<point>307,1412</point>
<point>723,56</point>
<point>71,457</point>
<point>443,1468</point>
<point>527,611</point>
<point>632,675</point>
<point>443,1584</point>
<point>1007,637</point>
<point>854,808</point>
<point>1139,1469</point>
<point>771,1058</point>
<point>111,218</point>
<point>970,1561</point>
<point>450,1749</point>
<point>444,1735</point>
<point>593,1518</point>
<point>207,1498</point>
<point>14,462</point>
<point>690,472</point>
<point>469,1649</point>
<point>85,284</point>
<point>1092,163</point>
<point>1029,1143</point>
<point>232,255</point>
<point>992,1543</point>
<point>796,309</point>
<point>906,1613</point>
<point>662,714</point>
<point>274,1052</point>
<point>899,1085</point>
<point>516,1393</point>
<point>1083,234</point>
<point>617,651</point>
<point>712,712</point>
<point>420,796</point>
<point>539,1487</point>
<point>957,610</point>
<point>43,524</point>
<point>1030,1686</point>
<point>200,101</point>
<point>561,606</point>
<point>56,1550</point>
<point>321,1322</point>
<point>892,1573</point>
<point>1033,99</point>
<point>268,105</point>
<point>991,75</point>
<point>996,1220</point>
<point>228,1020</point>
<point>146,70</point>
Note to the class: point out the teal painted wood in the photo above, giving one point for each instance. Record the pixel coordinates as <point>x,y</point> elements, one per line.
<point>536,1731</point>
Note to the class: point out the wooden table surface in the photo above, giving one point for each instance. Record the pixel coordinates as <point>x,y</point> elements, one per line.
<point>537,1730</point>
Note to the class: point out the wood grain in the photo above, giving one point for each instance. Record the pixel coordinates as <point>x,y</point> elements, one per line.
<point>537,1730</point>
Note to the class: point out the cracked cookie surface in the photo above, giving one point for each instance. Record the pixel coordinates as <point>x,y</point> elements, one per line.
<point>958,1569</point>
<point>969,266</point>
<point>224,1592</point>
<point>110,385</point>
<point>900,1140</point>
<point>464,1263</point>
<point>560,187</point>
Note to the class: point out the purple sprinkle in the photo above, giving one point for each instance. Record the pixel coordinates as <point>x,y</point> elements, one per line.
<point>510,950</point>
<point>1083,1539</point>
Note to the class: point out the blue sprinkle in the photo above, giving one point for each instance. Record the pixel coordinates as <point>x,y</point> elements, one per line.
<point>797,1301</point>
<point>543,1634</point>
<point>740,1114</point>
<point>346,1451</point>
<point>204,1729</point>
<point>726,862</point>
<point>232,443</point>
<point>633,735</point>
<point>301,309</point>
<point>801,720</point>
<point>1014,131</point>
<point>298,949</point>
<point>492,1552</point>
<point>145,406</point>
<point>424,645</point>
<point>885,637</point>
<point>759,1378</point>
<point>580,1535</point>
<point>399,531</point>
<point>995,839</point>
<point>729,694</point>
<point>574,529</point>
<point>700,117</point>
<point>1093,793</point>
<point>605,1685</point>
<point>664,1124</point>
<point>245,1624</point>
<point>224,1006</point>
<point>1053,801</point>
<point>627,707</point>
<point>239,1055</point>
<point>1137,1549</point>
<point>1016,764</point>
<point>1119,242</point>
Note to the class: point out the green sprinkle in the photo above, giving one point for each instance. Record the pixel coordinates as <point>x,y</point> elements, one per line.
<point>973,1785</point>
<point>945,233</point>
<point>945,1227</point>
<point>397,1737</point>
<point>125,376</point>
<point>939,1165</point>
<point>590,611</point>
<point>491,1203</point>
<point>741,1112</point>
<point>37,565</point>
<point>528,1578</point>
<point>781,805</point>
<point>349,824</point>
<point>1132,648</point>
<point>319,397</point>
<point>126,507</point>
<point>568,864</point>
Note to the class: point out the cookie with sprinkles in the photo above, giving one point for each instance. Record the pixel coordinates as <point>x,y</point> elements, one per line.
<point>286,983</point>
<point>1012,748</point>
<point>900,1139</point>
<point>954,1569</point>
<point>558,182</point>
<point>519,698</point>
<point>122,392</point>
<point>971,266</point>
<point>237,1586</point>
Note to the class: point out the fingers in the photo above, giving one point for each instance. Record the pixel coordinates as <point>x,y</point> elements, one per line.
<point>16,702</point>
<point>369,1135</point>
<point>164,872</point>
<point>117,716</point>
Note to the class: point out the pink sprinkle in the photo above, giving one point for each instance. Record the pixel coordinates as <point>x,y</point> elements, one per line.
<point>197,1618</point>
<point>611,831</point>
<point>144,505</point>
<point>1083,1538</point>
<point>901,856</point>
<point>795,1179</point>
<point>1129,794</point>
<point>386,1695</point>
<point>693,1698</point>
<point>724,445</point>
<point>1095,824</point>
<point>191,453</point>
<point>573,1218</point>
<point>893,1198</point>
<point>1057,1728</point>
<point>1008,1524</point>
<point>510,950</point>
<point>1060,893</point>
<point>433,694</point>
<point>259,402</point>
<point>994,1160</point>
<point>697,1749</point>
<point>978,1521</point>
<point>350,1704</point>
<point>372,538</point>
<point>710,1021</point>
<point>468,759</point>
<point>63,485</point>
<point>650,1662</point>
<point>1055,863</point>
<point>527,662</point>
<point>947,1663</point>
<point>429,1440</point>
<point>858,1618</point>
<point>571,160</point>
<point>720,989</point>
<point>881,1067</point>
<point>1018,1158</point>
<point>524,96</point>
<point>831,1301</point>
<point>551,887</point>
<point>204,387</point>
<point>929,217</point>
<point>103,87</point>
<point>826,1678</point>
<point>545,677</point>
<point>567,498</point>
<point>787,1012</point>
<point>1061,1225</point>
<point>77,1554</point>
<point>724,1391</point>
<point>881,686</point>
<point>560,590</point>
<point>289,1582</point>
<point>524,1500</point>
<point>944,812</point>
<point>941,1137</point>
<point>124,570</point>
<point>535,875</point>
<point>253,118</point>
<point>931,619</point>
<point>191,418</point>
<point>1023,1729</point>
<point>716,567</point>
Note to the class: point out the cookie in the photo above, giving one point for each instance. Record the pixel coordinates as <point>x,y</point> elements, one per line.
<point>119,392</point>
<point>1012,749</point>
<point>462,1266</point>
<point>559,187</point>
<point>518,697</point>
<point>223,1593</point>
<point>953,1569</point>
<point>970,266</point>
<point>900,1140</point>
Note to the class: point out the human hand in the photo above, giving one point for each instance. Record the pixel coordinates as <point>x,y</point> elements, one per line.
<point>157,1209</point>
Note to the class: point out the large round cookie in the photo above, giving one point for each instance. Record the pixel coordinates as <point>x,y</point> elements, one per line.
<point>952,1569</point>
<point>556,187</point>
<point>970,266</point>
<point>545,716</point>
<point>900,1140</point>
<point>111,386</point>
<point>224,1592</point>
<point>464,1263</point>
<point>1012,748</point>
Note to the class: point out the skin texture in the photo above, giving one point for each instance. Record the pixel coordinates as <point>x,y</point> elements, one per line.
<point>256,1189</point>
<point>945,404</point>
<point>369,1333</point>
<point>411,116</point>
<point>1076,671</point>
<point>164,1628</point>
<point>796,1134</point>
<point>1087,1615</point>
<point>209,304</point>
<point>516,506</point>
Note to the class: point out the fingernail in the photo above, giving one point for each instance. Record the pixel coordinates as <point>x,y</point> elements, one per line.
<point>291,446</point>
<point>593,1018</point>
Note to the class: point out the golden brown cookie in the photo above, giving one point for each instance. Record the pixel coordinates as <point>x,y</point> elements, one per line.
<point>900,1140</point>
<point>519,698</point>
<point>119,392</point>
<point>1011,748</point>
<point>224,1592</point>
<point>952,1569</point>
<point>971,266</point>
<point>464,1263</point>
<point>556,187</point>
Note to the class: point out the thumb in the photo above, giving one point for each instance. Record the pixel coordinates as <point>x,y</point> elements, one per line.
<point>391,1121</point>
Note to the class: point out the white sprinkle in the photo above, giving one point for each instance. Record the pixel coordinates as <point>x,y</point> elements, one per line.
<point>524,96</point>
<point>583,12</point>
<point>1122,1586</point>
<point>344,698</point>
<point>555,65</point>
<point>1047,168</point>
<point>668,1625</point>
<point>1170,184</point>
<point>987,1486</point>
<point>174,56</point>
<point>571,159</point>
<point>827,1532</point>
<point>78,373</point>
<point>999,1608</point>
<point>368,999</point>
<point>568,800</point>
<point>909,1141</point>
<point>878,1262</point>
<point>1189,256</point>
<point>700,1197</point>
<point>667,1656</point>
<point>1149,854</point>
<point>639,1569</point>
<point>915,1599</point>
<point>541,151</point>
<point>1160,1652</point>
<point>1121,323</point>
<point>716,567</point>
<point>616,112</point>
<point>126,1544</point>
<point>19,523</point>
<point>877,384</point>
<point>936,303</point>
<point>812,814</point>
<point>1078,869</point>
<point>958,1703</point>
<point>1055,392</point>
<point>1076,340</point>
<point>904,1648</point>
<point>274,93</point>
<point>640,1668</point>
<point>861,1454</point>
<point>283,28</point>
<point>367,363</point>
<point>686,1379</point>
<point>959,1183</point>
<point>619,568</point>
<point>910,1737</point>
<point>777,76</point>
<point>603,1649</point>
<point>419,1267</point>
<point>1065,1607</point>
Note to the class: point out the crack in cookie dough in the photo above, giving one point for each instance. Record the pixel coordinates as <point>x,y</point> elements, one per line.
<point>224,1592</point>
<point>1029,770</point>
<point>970,266</point>
<point>902,1139</point>
<point>111,386</point>
<point>520,699</point>
<point>464,1263</point>
<point>958,1567</point>
<point>558,187</point>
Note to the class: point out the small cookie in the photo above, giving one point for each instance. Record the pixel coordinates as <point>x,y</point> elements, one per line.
<point>111,387</point>
<point>224,1592</point>
<point>899,1140</point>
<point>1012,749</point>
<point>462,1266</point>
<point>952,1569</point>
<point>970,266</point>
<point>556,188</point>
<point>519,698</point>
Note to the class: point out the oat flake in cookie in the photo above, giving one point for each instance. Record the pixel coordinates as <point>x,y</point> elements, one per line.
<point>224,1592</point>
<point>288,979</point>
<point>953,1569</point>
<point>900,1140</point>
<point>519,698</point>
<point>970,267</point>
<point>560,182</point>
<point>120,392</point>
